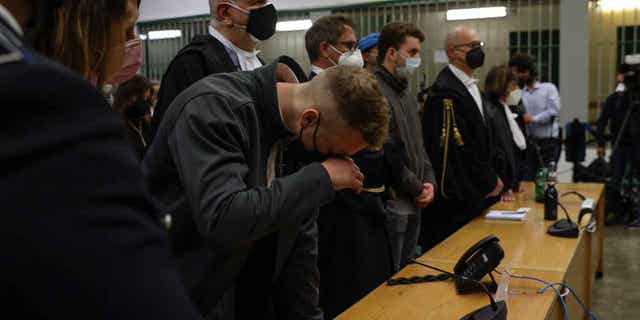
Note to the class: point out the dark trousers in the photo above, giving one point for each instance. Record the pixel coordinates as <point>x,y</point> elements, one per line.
<point>619,160</point>
<point>540,150</point>
<point>355,256</point>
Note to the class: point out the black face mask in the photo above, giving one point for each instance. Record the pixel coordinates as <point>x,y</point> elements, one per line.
<point>475,58</point>
<point>139,110</point>
<point>315,136</point>
<point>262,22</point>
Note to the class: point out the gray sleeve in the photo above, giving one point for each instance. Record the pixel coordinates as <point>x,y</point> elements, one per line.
<point>429,174</point>
<point>208,146</point>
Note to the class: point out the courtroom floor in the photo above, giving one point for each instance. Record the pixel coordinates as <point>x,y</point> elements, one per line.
<point>617,295</point>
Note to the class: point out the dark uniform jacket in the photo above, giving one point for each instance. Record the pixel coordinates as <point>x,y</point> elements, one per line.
<point>205,55</point>
<point>79,237</point>
<point>208,168</point>
<point>463,164</point>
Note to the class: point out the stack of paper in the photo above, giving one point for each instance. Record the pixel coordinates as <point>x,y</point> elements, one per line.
<point>518,215</point>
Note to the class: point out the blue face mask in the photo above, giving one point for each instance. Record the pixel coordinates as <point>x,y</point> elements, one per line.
<point>412,64</point>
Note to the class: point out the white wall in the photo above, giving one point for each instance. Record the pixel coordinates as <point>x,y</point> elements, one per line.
<point>169,9</point>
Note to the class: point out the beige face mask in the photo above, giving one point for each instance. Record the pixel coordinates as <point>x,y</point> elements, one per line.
<point>514,97</point>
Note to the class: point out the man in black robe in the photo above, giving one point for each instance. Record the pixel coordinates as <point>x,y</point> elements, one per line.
<point>229,46</point>
<point>245,235</point>
<point>457,139</point>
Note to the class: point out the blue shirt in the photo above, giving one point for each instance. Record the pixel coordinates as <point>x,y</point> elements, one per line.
<point>543,103</point>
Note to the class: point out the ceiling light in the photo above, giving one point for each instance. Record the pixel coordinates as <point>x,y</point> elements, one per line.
<point>476,13</point>
<point>294,25</point>
<point>164,34</point>
<point>619,4</point>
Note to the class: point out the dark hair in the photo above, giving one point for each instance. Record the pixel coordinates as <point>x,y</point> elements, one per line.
<point>80,33</point>
<point>326,29</point>
<point>523,63</point>
<point>394,35</point>
<point>497,82</point>
<point>130,90</point>
<point>360,102</point>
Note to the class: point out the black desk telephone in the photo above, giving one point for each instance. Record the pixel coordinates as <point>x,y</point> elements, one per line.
<point>482,258</point>
<point>477,262</point>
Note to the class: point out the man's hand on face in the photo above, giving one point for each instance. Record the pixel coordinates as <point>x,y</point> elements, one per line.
<point>344,174</point>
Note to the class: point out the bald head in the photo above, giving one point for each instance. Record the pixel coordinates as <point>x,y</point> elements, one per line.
<point>460,41</point>
<point>461,35</point>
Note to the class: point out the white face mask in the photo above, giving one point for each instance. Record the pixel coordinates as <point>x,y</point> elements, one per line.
<point>621,87</point>
<point>412,64</point>
<point>349,58</point>
<point>514,97</point>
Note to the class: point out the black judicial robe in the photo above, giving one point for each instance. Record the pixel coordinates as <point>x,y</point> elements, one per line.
<point>504,149</point>
<point>235,237</point>
<point>79,235</point>
<point>463,166</point>
<point>355,256</point>
<point>205,55</point>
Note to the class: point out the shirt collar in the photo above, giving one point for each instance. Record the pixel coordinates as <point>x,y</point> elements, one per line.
<point>536,86</point>
<point>463,77</point>
<point>399,85</point>
<point>268,96</point>
<point>246,54</point>
<point>10,19</point>
<point>315,69</point>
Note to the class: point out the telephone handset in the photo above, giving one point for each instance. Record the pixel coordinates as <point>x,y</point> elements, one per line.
<point>482,258</point>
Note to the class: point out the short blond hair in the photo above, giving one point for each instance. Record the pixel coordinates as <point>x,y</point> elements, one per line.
<point>359,102</point>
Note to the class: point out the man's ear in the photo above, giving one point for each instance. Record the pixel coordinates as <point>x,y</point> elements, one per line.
<point>222,15</point>
<point>309,117</point>
<point>325,49</point>
<point>392,53</point>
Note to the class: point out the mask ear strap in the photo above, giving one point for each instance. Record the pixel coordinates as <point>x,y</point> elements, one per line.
<point>315,134</point>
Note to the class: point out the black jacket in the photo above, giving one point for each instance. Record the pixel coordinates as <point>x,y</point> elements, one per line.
<point>79,237</point>
<point>466,173</point>
<point>613,113</point>
<point>205,55</point>
<point>208,168</point>
<point>504,149</point>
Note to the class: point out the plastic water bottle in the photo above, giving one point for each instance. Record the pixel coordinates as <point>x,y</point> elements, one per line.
<point>551,196</point>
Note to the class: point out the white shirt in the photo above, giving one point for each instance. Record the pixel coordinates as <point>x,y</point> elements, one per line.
<point>518,136</point>
<point>543,103</point>
<point>316,69</point>
<point>248,61</point>
<point>8,17</point>
<point>471,84</point>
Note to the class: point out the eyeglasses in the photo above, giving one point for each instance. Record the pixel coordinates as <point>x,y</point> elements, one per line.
<point>471,45</point>
<point>350,45</point>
